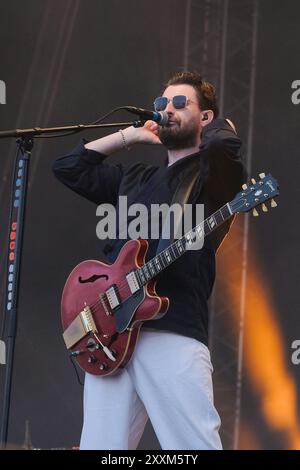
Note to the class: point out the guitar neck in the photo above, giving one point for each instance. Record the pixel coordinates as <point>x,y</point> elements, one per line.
<point>176,249</point>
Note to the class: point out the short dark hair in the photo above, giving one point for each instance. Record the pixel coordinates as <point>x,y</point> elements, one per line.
<point>205,91</point>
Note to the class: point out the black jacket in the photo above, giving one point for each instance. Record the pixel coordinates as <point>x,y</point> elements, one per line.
<point>188,282</point>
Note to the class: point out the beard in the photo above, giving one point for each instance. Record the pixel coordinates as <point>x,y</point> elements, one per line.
<point>175,137</point>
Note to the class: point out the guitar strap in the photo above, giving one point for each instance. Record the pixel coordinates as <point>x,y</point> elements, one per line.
<point>180,196</point>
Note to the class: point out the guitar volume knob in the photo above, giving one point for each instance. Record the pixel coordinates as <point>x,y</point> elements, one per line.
<point>103,366</point>
<point>92,360</point>
<point>91,345</point>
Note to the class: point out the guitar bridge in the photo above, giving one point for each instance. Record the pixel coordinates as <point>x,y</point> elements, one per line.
<point>87,320</point>
<point>80,327</point>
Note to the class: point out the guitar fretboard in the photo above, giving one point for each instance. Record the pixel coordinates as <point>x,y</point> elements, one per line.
<point>170,254</point>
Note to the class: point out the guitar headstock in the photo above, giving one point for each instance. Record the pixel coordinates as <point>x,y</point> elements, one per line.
<point>256,194</point>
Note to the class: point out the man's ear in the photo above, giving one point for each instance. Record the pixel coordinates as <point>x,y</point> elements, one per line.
<point>207,117</point>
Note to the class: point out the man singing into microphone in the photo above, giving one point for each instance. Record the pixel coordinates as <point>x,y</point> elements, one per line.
<point>169,378</point>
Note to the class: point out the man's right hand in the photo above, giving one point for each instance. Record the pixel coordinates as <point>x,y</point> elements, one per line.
<point>148,134</point>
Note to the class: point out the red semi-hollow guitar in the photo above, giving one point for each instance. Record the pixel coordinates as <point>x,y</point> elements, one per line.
<point>104,306</point>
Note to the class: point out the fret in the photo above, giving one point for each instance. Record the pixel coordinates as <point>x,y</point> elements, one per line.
<point>207,229</point>
<point>163,255</point>
<point>179,246</point>
<point>141,274</point>
<point>152,268</point>
<point>227,210</point>
<point>227,206</point>
<point>200,231</point>
<point>167,255</point>
<point>221,214</point>
<point>146,272</point>
<point>175,253</point>
<point>188,237</point>
<point>175,250</point>
<point>192,237</point>
<point>184,241</point>
<point>157,263</point>
<point>138,276</point>
<point>218,218</point>
<point>212,222</point>
<point>161,259</point>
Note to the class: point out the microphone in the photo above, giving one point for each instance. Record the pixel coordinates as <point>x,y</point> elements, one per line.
<point>161,117</point>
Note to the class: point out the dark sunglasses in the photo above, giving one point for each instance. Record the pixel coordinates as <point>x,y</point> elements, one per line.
<point>178,101</point>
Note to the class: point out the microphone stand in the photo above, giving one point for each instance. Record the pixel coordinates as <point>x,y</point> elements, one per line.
<point>25,142</point>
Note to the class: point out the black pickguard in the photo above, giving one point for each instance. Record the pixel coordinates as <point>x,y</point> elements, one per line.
<point>127,309</point>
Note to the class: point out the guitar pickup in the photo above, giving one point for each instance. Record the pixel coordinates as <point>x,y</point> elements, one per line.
<point>133,282</point>
<point>113,297</point>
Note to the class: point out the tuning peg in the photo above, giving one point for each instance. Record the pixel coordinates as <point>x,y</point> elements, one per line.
<point>255,213</point>
<point>244,186</point>
<point>253,181</point>
<point>273,203</point>
<point>264,208</point>
<point>262,175</point>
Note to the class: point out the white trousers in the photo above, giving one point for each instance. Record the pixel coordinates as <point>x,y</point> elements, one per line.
<point>168,380</point>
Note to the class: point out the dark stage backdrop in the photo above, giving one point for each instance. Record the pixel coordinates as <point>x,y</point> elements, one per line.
<point>71,61</point>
